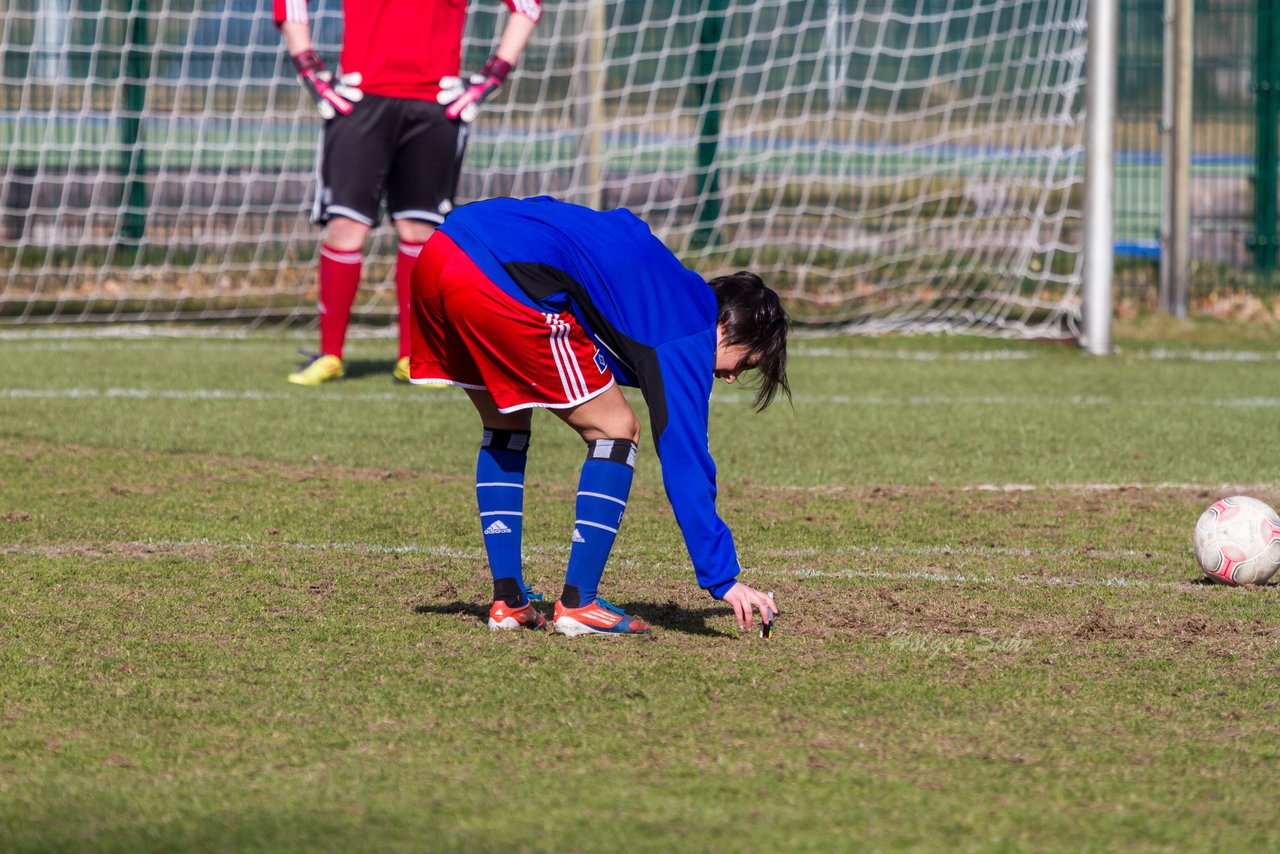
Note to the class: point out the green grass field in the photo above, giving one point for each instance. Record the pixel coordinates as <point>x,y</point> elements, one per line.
<point>238,615</point>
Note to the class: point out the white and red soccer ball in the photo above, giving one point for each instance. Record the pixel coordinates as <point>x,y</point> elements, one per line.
<point>1237,541</point>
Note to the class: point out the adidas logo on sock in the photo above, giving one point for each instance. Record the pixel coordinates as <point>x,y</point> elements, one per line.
<point>498,527</point>
<point>577,536</point>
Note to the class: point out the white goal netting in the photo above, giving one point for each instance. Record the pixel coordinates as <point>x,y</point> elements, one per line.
<point>885,164</point>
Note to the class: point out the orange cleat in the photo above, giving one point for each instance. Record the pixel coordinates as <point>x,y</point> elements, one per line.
<point>597,618</point>
<point>503,617</point>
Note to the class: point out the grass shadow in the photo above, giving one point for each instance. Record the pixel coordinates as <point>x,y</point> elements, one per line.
<point>668,616</point>
<point>1205,581</point>
<point>672,617</point>
<point>360,368</point>
<point>455,608</point>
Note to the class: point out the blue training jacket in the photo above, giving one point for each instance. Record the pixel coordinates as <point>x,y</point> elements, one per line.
<point>653,319</point>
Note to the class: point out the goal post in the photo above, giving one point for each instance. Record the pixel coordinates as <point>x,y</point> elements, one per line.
<point>1099,214</point>
<point>886,164</point>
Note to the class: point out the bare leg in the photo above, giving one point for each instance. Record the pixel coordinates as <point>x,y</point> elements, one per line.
<point>413,236</point>
<point>414,231</point>
<point>605,416</point>
<point>492,419</point>
<point>345,235</point>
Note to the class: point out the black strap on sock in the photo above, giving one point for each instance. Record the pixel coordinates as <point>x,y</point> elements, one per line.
<point>614,450</point>
<point>571,598</point>
<point>507,440</point>
<point>509,591</point>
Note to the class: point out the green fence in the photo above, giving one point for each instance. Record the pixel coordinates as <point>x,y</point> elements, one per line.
<point>1233,161</point>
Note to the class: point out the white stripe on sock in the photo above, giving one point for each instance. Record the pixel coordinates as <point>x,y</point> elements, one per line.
<point>605,497</point>
<point>596,525</point>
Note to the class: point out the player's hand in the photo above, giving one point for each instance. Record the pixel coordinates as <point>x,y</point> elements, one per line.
<point>333,98</point>
<point>744,599</point>
<point>348,86</point>
<point>463,100</point>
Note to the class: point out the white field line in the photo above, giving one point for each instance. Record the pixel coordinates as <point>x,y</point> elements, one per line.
<point>1162,354</point>
<point>905,355</point>
<point>975,580</point>
<point>211,394</point>
<point>1164,486</point>
<point>141,332</point>
<point>723,397</point>
<point>114,548</point>
<point>971,552</point>
<point>1157,354</point>
<point>985,400</point>
<point>447,551</point>
<point>937,577</point>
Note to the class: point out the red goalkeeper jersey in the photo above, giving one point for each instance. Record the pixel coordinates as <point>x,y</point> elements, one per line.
<point>401,48</point>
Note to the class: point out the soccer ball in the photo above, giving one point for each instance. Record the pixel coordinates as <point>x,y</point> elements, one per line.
<point>1237,541</point>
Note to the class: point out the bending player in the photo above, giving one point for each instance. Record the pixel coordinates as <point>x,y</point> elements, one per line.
<point>538,303</point>
<point>395,124</point>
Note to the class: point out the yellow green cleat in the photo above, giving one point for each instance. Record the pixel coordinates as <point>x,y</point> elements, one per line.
<point>401,373</point>
<point>319,370</point>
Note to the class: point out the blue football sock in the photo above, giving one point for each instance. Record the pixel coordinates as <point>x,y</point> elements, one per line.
<point>602,497</point>
<point>500,496</point>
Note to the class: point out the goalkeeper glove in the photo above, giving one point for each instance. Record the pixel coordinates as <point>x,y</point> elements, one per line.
<point>331,99</point>
<point>464,101</point>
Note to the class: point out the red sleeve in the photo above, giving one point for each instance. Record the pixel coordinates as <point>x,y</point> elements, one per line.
<point>531,9</point>
<point>295,11</point>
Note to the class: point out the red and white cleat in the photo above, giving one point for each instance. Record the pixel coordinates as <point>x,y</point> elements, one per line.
<point>597,618</point>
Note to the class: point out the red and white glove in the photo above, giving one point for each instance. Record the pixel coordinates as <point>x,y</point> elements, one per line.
<point>332,98</point>
<point>464,100</point>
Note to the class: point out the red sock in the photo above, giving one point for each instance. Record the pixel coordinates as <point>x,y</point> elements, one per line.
<point>339,280</point>
<point>405,259</point>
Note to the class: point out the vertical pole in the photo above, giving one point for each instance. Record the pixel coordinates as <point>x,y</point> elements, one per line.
<point>595,80</point>
<point>133,163</point>
<point>831,49</point>
<point>1166,150</point>
<point>1267,111</point>
<point>710,96</point>
<point>1175,251</point>
<point>1099,176</point>
<point>51,40</point>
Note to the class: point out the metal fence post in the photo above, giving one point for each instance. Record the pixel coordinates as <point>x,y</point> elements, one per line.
<point>1267,110</point>
<point>595,78</point>
<point>1175,248</point>
<point>133,160</point>
<point>708,202</point>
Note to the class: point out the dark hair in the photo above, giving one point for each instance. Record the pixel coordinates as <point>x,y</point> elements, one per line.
<point>752,314</point>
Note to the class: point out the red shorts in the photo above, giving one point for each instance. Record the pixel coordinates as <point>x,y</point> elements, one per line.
<point>467,331</point>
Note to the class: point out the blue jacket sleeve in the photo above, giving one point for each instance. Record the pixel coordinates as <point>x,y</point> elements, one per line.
<point>688,471</point>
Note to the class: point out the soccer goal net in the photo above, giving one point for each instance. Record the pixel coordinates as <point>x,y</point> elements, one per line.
<point>886,164</point>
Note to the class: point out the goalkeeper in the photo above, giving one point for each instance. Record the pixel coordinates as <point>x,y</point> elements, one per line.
<point>395,125</point>
<point>538,303</point>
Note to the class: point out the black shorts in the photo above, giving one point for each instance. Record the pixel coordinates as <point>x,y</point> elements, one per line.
<point>402,147</point>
